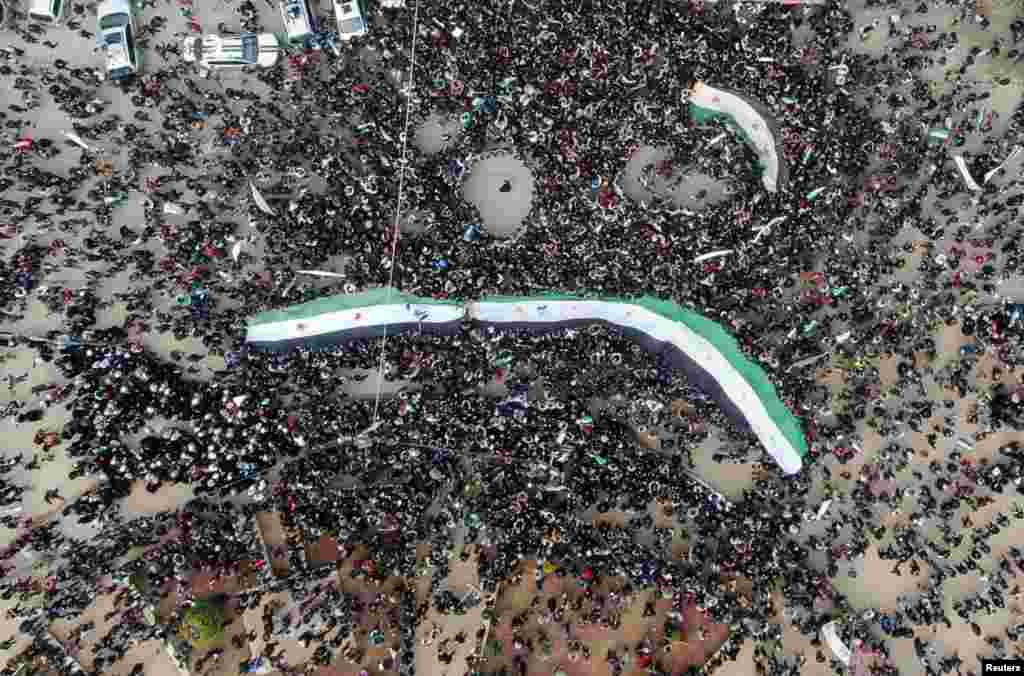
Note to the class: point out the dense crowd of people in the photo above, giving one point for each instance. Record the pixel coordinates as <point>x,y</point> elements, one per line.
<point>844,262</point>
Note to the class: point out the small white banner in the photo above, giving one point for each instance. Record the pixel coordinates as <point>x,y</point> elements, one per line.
<point>839,649</point>
<point>713,254</point>
<point>988,176</point>
<point>966,173</point>
<point>260,202</point>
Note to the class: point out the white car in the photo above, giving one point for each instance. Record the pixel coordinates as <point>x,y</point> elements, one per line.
<point>298,22</point>
<point>351,18</point>
<point>46,11</point>
<point>115,36</point>
<point>214,52</point>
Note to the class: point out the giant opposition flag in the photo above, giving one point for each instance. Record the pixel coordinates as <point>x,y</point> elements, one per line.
<point>707,102</point>
<point>686,340</point>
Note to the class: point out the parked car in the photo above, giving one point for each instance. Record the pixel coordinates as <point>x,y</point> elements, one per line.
<point>48,12</point>
<point>298,21</point>
<point>971,349</point>
<point>351,18</point>
<point>215,52</point>
<point>115,36</point>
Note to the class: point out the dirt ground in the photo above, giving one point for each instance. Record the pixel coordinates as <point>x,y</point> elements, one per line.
<point>82,647</point>
<point>272,532</point>
<point>880,593</point>
<point>874,587</point>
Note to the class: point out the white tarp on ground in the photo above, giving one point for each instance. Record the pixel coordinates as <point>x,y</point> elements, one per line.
<point>754,127</point>
<point>839,649</point>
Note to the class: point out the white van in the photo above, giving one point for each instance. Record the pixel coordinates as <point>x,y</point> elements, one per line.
<point>46,11</point>
<point>351,18</point>
<point>298,21</point>
<point>214,52</point>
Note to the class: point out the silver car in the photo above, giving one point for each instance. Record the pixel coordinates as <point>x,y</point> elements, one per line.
<point>215,52</point>
<point>115,37</point>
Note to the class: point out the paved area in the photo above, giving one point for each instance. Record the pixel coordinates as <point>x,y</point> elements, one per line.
<point>873,587</point>
<point>501,211</point>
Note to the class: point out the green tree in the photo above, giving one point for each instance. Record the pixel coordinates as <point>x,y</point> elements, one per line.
<point>494,648</point>
<point>204,622</point>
